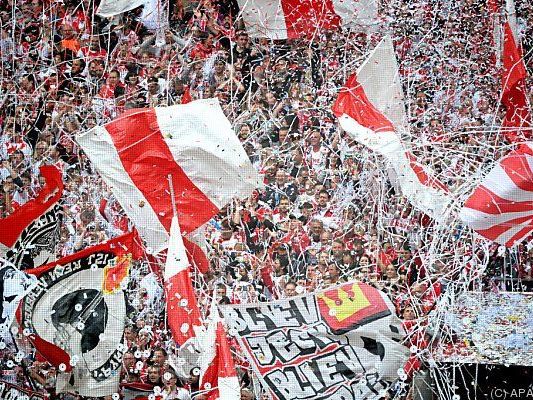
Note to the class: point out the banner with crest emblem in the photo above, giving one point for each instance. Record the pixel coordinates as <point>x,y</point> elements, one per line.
<point>75,316</point>
<point>340,343</point>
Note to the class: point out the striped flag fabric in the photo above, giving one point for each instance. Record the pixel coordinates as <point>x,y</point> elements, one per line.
<point>182,309</point>
<point>370,123</point>
<point>218,375</point>
<point>289,19</point>
<point>191,144</point>
<point>501,207</point>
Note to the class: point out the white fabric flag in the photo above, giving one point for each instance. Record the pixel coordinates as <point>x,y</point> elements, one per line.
<point>370,108</point>
<point>109,8</point>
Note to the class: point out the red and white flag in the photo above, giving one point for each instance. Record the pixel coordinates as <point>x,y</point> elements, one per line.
<point>193,144</point>
<point>182,308</point>
<point>29,235</point>
<point>217,368</point>
<point>501,208</point>
<point>366,122</point>
<point>289,19</point>
<point>517,125</point>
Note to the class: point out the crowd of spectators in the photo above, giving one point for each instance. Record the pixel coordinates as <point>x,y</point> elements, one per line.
<point>328,213</point>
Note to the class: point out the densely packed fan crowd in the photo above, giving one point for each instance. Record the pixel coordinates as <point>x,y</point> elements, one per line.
<point>328,213</point>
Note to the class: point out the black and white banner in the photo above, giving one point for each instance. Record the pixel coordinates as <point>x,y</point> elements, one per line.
<point>342,343</point>
<point>14,285</point>
<point>29,235</point>
<point>12,392</point>
<point>75,316</point>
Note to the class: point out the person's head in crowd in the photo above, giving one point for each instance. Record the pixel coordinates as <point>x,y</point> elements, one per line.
<point>244,131</point>
<point>94,43</point>
<point>315,139</point>
<point>77,66</point>
<point>409,313</point>
<point>113,78</point>
<point>323,199</point>
<point>246,394</point>
<point>326,238</point>
<point>242,40</point>
<point>221,290</point>
<point>281,178</point>
<point>278,268</point>
<point>28,83</point>
<point>41,149</point>
<point>144,336</point>
<point>270,99</point>
<point>323,260</point>
<point>131,79</point>
<point>270,168</point>
<point>337,249</point>
<point>159,357</point>
<point>309,187</point>
<point>391,273</point>
<point>306,210</point>
<point>358,248</point>
<point>153,85</point>
<point>153,376</point>
<point>90,121</point>
<point>348,260</point>
<point>128,361</point>
<point>317,227</point>
<point>67,32</point>
<point>284,205</point>
<point>365,261</point>
<point>170,380</point>
<point>290,289</point>
<point>418,290</point>
<point>96,68</point>
<point>333,272</point>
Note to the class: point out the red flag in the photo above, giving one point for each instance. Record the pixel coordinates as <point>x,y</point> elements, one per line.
<point>516,125</point>
<point>30,211</point>
<point>289,19</point>
<point>194,145</point>
<point>218,367</point>
<point>501,207</point>
<point>182,308</point>
<point>366,122</point>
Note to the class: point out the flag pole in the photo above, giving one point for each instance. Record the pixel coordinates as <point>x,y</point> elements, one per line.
<point>172,197</point>
<point>174,214</point>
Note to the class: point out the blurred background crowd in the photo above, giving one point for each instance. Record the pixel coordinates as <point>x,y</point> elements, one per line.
<point>328,213</point>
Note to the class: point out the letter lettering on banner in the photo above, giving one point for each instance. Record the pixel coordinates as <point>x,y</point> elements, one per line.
<point>289,385</point>
<point>317,346</point>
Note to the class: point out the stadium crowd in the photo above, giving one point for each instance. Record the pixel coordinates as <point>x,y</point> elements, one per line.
<point>328,213</point>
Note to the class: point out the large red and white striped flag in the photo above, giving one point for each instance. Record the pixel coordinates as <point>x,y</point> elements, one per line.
<point>182,308</point>
<point>289,19</point>
<point>193,144</point>
<point>501,207</point>
<point>366,121</point>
